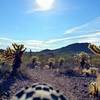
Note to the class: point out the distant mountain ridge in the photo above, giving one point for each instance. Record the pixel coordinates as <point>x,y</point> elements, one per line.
<point>72,48</point>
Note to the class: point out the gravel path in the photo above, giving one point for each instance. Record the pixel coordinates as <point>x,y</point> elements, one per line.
<point>74,88</point>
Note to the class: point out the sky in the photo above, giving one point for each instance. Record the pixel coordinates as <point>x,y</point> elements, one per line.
<point>49,24</point>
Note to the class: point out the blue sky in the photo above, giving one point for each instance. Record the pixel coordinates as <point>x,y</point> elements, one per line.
<point>60,23</point>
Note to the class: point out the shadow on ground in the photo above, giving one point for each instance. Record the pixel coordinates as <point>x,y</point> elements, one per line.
<point>72,73</point>
<point>6,84</point>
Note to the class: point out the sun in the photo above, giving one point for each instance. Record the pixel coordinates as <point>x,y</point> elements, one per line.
<point>45,4</point>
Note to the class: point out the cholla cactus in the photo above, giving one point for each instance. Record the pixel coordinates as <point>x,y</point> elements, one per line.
<point>51,62</point>
<point>6,62</point>
<point>34,61</point>
<point>90,71</point>
<point>84,57</point>
<point>61,61</point>
<point>18,51</point>
<point>8,55</point>
<point>82,60</point>
<point>94,87</point>
<point>95,49</point>
<point>13,54</point>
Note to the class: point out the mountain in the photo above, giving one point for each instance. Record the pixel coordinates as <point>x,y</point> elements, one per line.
<point>73,48</point>
<point>46,51</point>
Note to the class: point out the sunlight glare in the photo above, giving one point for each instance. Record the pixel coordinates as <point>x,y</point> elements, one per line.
<point>45,4</point>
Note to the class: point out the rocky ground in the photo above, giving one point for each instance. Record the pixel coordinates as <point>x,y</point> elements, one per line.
<point>74,87</point>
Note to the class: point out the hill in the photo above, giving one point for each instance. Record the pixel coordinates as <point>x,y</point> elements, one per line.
<point>73,48</point>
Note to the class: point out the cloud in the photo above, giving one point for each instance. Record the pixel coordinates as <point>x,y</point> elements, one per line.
<point>36,45</point>
<point>93,40</point>
<point>90,26</point>
<point>89,32</point>
<point>75,29</point>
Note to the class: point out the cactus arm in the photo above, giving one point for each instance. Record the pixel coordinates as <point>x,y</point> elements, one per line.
<point>14,46</point>
<point>21,47</point>
<point>24,50</point>
<point>94,49</point>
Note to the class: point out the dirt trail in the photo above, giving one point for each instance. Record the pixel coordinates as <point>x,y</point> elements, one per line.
<point>58,82</point>
<point>74,88</point>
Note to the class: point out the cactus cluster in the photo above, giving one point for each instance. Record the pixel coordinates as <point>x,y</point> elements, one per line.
<point>14,54</point>
<point>90,71</point>
<point>8,55</point>
<point>18,51</point>
<point>83,59</point>
<point>94,87</point>
<point>83,56</point>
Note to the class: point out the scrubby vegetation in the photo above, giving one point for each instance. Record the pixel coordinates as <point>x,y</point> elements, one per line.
<point>14,61</point>
<point>94,87</point>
